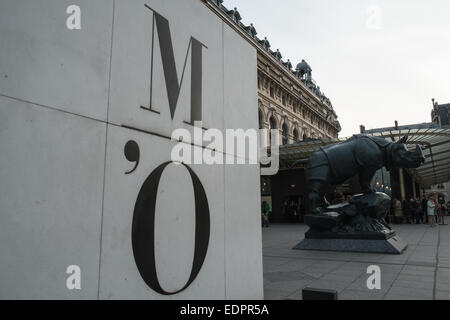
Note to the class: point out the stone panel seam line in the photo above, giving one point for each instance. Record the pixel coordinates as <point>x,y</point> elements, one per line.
<point>436,268</point>
<point>224,183</point>
<point>106,148</point>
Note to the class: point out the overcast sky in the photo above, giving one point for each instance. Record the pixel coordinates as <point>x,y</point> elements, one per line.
<point>378,61</point>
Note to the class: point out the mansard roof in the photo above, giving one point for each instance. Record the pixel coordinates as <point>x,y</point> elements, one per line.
<point>302,68</point>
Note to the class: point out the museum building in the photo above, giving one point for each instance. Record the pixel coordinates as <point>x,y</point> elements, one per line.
<point>290,101</point>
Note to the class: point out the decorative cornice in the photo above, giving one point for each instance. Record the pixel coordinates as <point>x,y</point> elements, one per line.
<point>233,18</point>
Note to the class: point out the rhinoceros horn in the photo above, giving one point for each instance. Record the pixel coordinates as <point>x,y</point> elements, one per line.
<point>403,140</point>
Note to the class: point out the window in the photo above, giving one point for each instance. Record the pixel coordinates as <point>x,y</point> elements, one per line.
<point>295,134</point>
<point>272,125</point>
<point>271,92</point>
<point>260,119</point>
<point>285,134</point>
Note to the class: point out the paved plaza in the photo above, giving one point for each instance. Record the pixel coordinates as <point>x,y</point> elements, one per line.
<point>421,272</point>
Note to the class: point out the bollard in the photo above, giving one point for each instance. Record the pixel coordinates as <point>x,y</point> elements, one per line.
<point>319,294</point>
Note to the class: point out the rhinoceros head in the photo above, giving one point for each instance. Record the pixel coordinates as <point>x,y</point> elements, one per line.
<point>403,158</point>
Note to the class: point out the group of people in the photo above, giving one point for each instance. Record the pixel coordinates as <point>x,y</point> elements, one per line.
<point>416,211</point>
<point>413,211</point>
<point>292,210</point>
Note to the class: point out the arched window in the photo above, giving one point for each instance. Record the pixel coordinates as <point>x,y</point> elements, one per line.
<point>272,125</point>
<point>295,134</point>
<point>260,119</point>
<point>285,134</point>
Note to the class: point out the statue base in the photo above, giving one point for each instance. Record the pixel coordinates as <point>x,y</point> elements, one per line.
<point>393,245</point>
<point>356,226</point>
<point>385,235</point>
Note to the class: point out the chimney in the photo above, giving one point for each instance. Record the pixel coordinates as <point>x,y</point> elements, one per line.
<point>362,129</point>
<point>396,125</point>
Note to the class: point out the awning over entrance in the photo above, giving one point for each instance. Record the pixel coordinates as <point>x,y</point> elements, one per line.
<point>435,143</point>
<point>302,150</point>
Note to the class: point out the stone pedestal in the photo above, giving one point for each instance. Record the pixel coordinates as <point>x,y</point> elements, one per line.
<point>354,226</point>
<point>391,245</point>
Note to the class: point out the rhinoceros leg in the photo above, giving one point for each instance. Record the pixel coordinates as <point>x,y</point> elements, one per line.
<point>317,190</point>
<point>365,177</point>
<point>314,196</point>
<point>319,179</point>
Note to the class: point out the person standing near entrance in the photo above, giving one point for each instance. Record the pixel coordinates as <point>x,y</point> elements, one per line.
<point>424,209</point>
<point>398,215</point>
<point>409,210</point>
<point>419,212</point>
<point>265,209</point>
<point>431,206</point>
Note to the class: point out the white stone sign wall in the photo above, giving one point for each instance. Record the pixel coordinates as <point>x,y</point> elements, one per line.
<point>86,116</point>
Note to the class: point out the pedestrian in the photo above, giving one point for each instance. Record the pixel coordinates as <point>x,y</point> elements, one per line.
<point>424,209</point>
<point>431,206</point>
<point>397,206</point>
<point>419,212</point>
<point>405,210</point>
<point>439,213</point>
<point>296,212</point>
<point>293,210</point>
<point>285,209</point>
<point>265,210</point>
<point>410,211</point>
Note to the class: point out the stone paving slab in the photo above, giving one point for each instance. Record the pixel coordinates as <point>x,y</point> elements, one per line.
<point>349,294</point>
<point>422,272</point>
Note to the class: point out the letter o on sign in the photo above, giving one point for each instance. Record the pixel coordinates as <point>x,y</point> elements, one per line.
<point>143,229</point>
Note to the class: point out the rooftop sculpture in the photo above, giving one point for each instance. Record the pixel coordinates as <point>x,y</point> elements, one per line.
<point>302,68</point>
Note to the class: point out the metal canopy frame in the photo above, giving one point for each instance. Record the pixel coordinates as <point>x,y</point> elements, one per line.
<point>435,144</point>
<point>301,150</point>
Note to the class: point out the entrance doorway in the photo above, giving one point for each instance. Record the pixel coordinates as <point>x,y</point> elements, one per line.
<point>294,209</point>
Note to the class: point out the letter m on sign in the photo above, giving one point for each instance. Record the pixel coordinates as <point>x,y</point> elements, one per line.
<point>173,86</point>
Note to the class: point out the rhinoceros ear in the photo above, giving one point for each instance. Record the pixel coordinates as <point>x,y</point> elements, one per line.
<point>403,140</point>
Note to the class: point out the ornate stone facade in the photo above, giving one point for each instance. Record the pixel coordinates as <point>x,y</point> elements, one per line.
<point>288,100</point>
<point>287,104</point>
